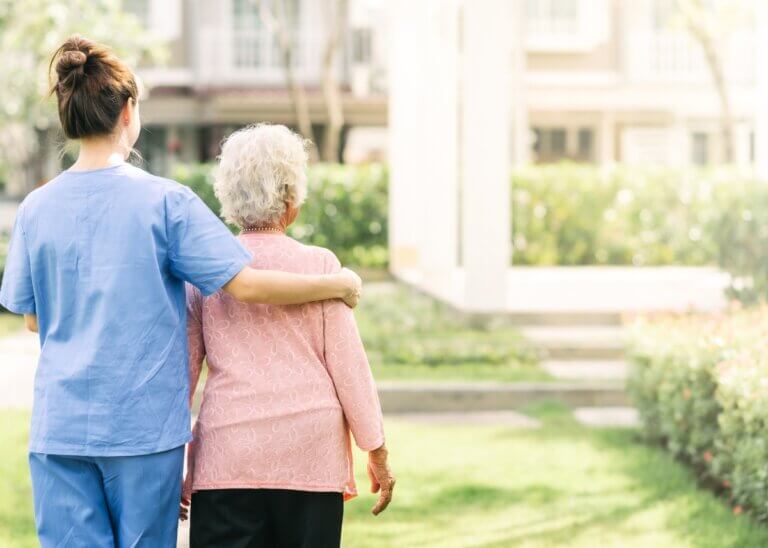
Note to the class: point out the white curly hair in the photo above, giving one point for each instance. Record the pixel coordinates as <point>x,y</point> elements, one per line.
<point>261,169</point>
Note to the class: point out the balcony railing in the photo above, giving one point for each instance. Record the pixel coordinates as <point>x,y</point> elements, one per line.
<point>675,56</point>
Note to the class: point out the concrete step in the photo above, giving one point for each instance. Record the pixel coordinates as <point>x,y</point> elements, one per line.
<point>564,318</point>
<point>577,343</point>
<point>587,369</point>
<point>407,397</point>
<point>607,416</point>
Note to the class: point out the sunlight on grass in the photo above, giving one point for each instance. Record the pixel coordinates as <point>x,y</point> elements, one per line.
<point>17,525</point>
<point>561,485</point>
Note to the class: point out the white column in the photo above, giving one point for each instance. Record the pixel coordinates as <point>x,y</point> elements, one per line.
<point>440,148</point>
<point>742,145</point>
<point>408,133</point>
<point>521,130</point>
<point>761,89</point>
<point>607,136</point>
<point>485,148</point>
<point>680,143</point>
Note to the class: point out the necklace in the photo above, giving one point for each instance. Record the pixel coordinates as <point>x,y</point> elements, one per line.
<point>262,229</point>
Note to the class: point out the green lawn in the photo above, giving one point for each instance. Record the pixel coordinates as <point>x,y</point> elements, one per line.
<point>409,336</point>
<point>10,323</point>
<point>558,486</point>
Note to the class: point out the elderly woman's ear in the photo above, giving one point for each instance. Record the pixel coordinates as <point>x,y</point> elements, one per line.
<point>290,215</point>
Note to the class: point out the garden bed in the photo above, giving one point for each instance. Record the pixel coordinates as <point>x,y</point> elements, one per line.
<point>700,384</point>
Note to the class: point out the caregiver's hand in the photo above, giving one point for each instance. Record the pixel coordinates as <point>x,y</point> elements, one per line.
<point>382,480</point>
<point>354,287</point>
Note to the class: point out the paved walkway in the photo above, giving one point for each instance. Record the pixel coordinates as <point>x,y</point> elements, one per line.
<point>19,355</point>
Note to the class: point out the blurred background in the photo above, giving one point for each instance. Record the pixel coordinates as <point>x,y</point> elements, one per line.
<point>560,208</point>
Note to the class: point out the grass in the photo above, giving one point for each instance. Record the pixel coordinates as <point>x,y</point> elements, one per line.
<point>17,525</point>
<point>493,487</point>
<point>559,486</point>
<point>10,323</point>
<point>412,337</point>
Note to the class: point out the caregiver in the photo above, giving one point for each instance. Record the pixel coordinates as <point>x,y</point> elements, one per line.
<point>97,264</point>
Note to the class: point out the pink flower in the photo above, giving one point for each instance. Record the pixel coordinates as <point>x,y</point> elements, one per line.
<point>707,456</point>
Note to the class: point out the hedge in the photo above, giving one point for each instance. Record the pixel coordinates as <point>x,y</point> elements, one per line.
<point>345,210</point>
<point>569,214</point>
<point>701,387</point>
<point>565,214</point>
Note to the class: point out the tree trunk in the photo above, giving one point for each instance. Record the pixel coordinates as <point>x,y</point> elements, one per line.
<point>695,19</point>
<point>721,86</point>
<point>274,15</point>
<point>299,100</point>
<point>331,89</point>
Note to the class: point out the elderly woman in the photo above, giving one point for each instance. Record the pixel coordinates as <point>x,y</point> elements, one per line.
<point>271,460</point>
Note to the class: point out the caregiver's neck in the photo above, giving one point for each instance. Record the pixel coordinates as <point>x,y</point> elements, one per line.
<point>99,153</point>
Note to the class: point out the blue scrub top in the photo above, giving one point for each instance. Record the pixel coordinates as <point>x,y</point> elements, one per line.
<point>101,257</point>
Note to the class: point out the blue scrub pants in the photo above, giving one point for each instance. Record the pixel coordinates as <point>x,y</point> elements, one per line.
<point>107,502</point>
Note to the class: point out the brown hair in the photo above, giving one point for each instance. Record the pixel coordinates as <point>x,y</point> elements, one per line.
<point>92,86</point>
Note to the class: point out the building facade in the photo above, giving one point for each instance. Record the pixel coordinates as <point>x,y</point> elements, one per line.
<point>226,70</point>
<point>602,80</point>
<point>625,81</point>
<point>518,81</point>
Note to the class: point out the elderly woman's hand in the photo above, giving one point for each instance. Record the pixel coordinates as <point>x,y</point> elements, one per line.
<point>382,480</point>
<point>184,508</point>
<point>354,287</point>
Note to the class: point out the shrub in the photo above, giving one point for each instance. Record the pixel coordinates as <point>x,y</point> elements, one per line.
<point>701,387</point>
<point>738,231</point>
<point>345,211</point>
<point>401,326</point>
<point>565,214</point>
<point>570,214</point>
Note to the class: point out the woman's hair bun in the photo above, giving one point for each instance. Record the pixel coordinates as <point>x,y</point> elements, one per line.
<point>73,55</point>
<point>71,60</point>
<point>91,85</point>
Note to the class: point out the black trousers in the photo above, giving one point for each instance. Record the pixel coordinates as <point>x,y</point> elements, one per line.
<point>265,518</point>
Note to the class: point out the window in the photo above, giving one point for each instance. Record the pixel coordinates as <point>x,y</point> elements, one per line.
<point>664,13</point>
<point>553,16</point>
<point>255,43</point>
<point>361,46</point>
<point>138,8</point>
<point>700,148</point>
<point>550,144</point>
<point>586,140</point>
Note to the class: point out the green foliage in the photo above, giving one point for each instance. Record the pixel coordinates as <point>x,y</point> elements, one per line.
<point>739,231</point>
<point>566,214</point>
<point>491,485</point>
<point>404,330</point>
<point>345,210</point>
<point>33,29</point>
<point>570,214</point>
<point>700,386</point>
<point>30,31</point>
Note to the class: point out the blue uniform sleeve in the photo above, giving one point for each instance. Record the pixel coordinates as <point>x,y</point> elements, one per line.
<point>16,293</point>
<point>201,249</point>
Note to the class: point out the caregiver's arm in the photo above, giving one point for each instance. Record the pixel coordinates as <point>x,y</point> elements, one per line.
<point>30,321</point>
<point>281,288</point>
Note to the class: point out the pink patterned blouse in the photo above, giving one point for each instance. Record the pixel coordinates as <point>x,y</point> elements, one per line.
<point>285,385</point>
